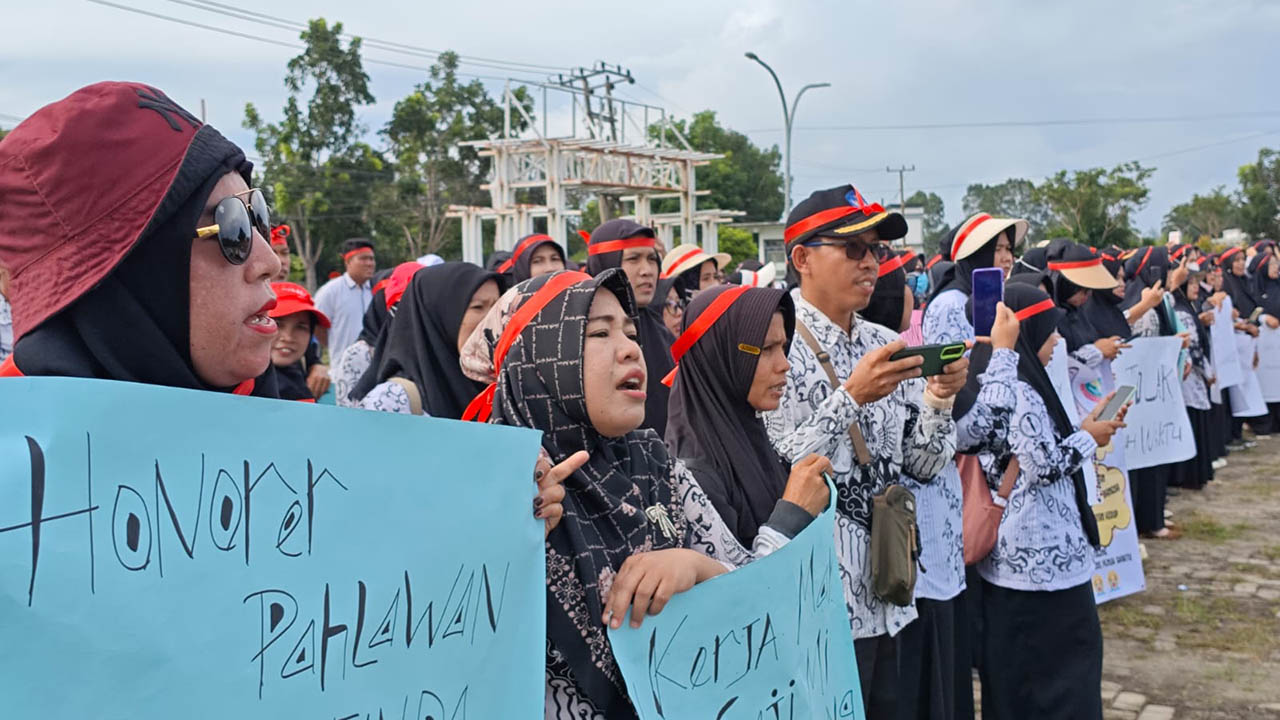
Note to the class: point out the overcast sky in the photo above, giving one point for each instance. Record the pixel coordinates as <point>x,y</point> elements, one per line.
<point>907,62</point>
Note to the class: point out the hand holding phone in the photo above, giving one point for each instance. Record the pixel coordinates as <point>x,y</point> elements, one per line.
<point>1122,396</point>
<point>936,357</point>
<point>877,373</point>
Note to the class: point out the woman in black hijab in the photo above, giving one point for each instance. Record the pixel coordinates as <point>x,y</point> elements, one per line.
<point>1147,271</point>
<point>891,304</point>
<point>630,513</point>
<point>1244,299</point>
<point>1192,474</point>
<point>1042,638</point>
<point>534,255</point>
<point>732,372</point>
<point>421,353</point>
<point>121,274</point>
<point>351,365</point>
<point>631,246</point>
<point>1102,309</point>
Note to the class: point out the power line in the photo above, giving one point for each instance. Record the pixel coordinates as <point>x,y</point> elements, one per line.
<point>1038,123</point>
<point>281,43</point>
<point>387,45</point>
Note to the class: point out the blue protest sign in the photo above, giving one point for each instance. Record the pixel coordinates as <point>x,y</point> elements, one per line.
<point>168,553</point>
<point>770,640</point>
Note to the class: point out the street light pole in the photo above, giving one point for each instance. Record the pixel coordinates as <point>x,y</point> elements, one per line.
<point>788,117</point>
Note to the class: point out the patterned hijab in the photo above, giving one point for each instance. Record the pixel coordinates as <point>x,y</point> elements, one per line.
<point>623,501</point>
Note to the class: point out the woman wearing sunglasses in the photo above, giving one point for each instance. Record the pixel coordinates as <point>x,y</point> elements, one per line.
<point>138,249</point>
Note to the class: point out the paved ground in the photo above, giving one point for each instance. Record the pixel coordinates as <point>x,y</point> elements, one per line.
<point>1204,640</point>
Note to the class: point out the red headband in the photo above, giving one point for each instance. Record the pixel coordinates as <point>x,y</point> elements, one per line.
<point>280,235</point>
<point>817,220</point>
<point>1031,310</point>
<point>1228,254</point>
<point>933,261</point>
<point>972,223</point>
<point>1143,263</point>
<point>685,256</point>
<point>1075,264</point>
<point>481,407</point>
<point>618,245</point>
<point>701,326</point>
<point>890,265</point>
<point>521,248</point>
<point>357,251</point>
<point>1178,253</point>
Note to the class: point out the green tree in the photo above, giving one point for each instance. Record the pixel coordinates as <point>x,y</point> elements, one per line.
<point>935,219</point>
<point>433,170</point>
<point>1013,198</point>
<point>1095,206</point>
<point>1203,215</point>
<point>1260,195</point>
<point>3,132</point>
<point>747,178</point>
<point>739,243</point>
<point>313,160</point>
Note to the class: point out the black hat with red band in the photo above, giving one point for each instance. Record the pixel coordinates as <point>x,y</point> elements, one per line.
<point>840,212</point>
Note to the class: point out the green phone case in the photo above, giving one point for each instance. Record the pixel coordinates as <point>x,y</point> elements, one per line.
<point>935,356</point>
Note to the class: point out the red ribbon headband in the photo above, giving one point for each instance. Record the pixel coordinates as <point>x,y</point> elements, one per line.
<point>700,327</point>
<point>889,266</point>
<point>933,261</point>
<point>1032,310</point>
<point>1143,263</point>
<point>481,407</point>
<point>965,231</point>
<point>1228,254</point>
<point>609,246</point>
<point>1075,264</point>
<point>520,250</point>
<point>357,251</point>
<point>817,220</point>
<point>685,256</point>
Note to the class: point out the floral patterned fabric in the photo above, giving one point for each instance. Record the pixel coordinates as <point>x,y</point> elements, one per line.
<point>905,435</point>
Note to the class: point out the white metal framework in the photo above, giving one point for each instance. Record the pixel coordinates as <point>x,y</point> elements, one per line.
<point>603,163</point>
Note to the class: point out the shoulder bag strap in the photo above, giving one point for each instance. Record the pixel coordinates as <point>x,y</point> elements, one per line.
<point>1010,477</point>
<point>855,434</point>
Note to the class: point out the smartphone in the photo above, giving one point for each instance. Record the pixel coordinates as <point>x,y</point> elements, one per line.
<point>935,356</point>
<point>988,289</point>
<point>1123,395</point>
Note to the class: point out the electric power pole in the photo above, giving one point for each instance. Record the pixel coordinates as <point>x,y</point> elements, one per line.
<point>902,196</point>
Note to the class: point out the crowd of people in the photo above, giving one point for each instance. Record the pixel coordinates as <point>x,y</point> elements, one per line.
<point>693,414</point>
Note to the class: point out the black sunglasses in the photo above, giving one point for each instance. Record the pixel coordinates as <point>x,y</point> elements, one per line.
<point>854,249</point>
<point>234,220</point>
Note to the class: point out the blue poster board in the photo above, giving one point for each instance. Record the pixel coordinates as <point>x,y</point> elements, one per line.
<point>769,640</point>
<point>176,554</point>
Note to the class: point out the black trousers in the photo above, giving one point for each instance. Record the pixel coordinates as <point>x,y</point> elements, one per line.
<point>1148,486</point>
<point>878,672</point>
<point>1195,472</point>
<point>927,662</point>
<point>1043,654</point>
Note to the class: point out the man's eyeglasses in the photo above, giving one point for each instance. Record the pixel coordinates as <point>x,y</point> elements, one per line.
<point>234,220</point>
<point>854,249</point>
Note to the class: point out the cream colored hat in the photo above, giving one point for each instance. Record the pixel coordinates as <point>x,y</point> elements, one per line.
<point>682,258</point>
<point>978,230</point>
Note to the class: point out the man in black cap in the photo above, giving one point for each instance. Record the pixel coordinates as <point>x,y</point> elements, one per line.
<point>878,419</point>
<point>345,298</point>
